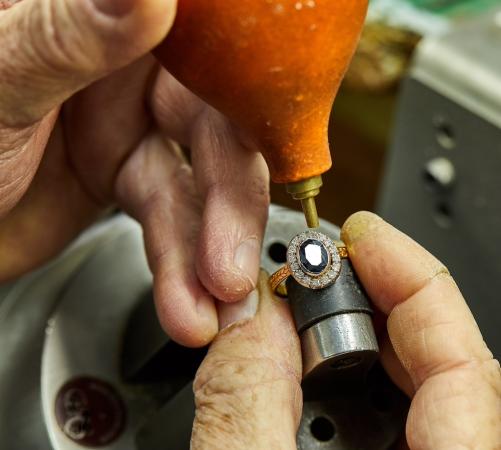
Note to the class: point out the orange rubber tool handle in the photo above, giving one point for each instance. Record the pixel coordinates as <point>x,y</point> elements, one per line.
<point>273,67</point>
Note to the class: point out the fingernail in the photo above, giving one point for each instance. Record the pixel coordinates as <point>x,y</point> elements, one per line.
<point>116,8</point>
<point>248,258</point>
<point>230,313</point>
<point>205,307</point>
<point>359,225</point>
<point>208,318</point>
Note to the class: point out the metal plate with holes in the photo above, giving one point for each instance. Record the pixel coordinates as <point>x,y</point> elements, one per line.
<point>98,298</point>
<point>442,183</point>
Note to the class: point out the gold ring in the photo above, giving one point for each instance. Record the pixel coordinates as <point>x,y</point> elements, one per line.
<point>313,260</point>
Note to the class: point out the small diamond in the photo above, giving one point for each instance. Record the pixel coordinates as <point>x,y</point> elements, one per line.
<point>315,284</point>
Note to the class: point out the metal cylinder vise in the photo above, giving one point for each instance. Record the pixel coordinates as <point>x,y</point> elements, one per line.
<point>335,328</point>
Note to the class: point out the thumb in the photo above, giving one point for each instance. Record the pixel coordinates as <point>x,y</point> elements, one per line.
<point>53,48</point>
<point>247,390</point>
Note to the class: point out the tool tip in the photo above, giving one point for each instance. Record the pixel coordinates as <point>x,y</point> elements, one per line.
<point>310,212</point>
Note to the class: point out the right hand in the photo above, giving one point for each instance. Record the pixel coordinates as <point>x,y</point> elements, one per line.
<point>247,389</point>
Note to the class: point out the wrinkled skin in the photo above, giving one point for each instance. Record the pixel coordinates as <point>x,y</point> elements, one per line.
<point>87,121</point>
<point>248,388</point>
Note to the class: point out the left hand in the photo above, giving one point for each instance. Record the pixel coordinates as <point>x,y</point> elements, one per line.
<point>85,120</point>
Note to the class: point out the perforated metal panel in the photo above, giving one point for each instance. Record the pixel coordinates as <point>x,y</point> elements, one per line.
<point>443,176</point>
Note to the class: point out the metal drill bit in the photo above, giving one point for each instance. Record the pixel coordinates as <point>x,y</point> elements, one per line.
<point>310,212</point>
<point>305,191</point>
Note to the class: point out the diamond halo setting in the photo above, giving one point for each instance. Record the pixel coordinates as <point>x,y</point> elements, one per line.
<point>313,259</point>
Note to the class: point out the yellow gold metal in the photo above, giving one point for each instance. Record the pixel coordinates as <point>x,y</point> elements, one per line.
<point>278,279</point>
<point>342,249</point>
<point>306,191</point>
<point>309,187</point>
<point>310,212</point>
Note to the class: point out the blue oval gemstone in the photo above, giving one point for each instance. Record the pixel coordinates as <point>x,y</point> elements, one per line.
<point>313,256</point>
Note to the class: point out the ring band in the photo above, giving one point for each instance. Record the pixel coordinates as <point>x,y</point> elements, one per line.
<point>277,279</point>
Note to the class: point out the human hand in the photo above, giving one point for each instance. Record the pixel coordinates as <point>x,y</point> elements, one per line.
<point>248,388</point>
<point>85,117</point>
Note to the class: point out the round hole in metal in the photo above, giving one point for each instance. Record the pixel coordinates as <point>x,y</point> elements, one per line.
<point>278,252</point>
<point>322,429</point>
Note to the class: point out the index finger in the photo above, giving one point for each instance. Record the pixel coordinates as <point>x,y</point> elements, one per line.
<point>434,336</point>
<point>430,324</point>
<point>232,178</point>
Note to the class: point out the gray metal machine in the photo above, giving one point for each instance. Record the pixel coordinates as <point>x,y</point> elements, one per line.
<point>443,179</point>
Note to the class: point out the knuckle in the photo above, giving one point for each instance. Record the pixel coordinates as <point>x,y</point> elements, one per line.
<point>39,50</point>
<point>221,172</point>
<point>444,398</point>
<point>230,389</point>
<point>259,190</point>
<point>476,372</point>
<point>146,199</point>
<point>11,190</point>
<point>492,375</point>
<point>233,396</point>
<point>57,42</point>
<point>16,165</point>
<point>49,40</point>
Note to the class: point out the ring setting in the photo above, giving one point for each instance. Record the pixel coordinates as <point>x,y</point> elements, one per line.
<point>313,260</point>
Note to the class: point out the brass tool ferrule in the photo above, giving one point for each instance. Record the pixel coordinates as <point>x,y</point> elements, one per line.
<point>306,191</point>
